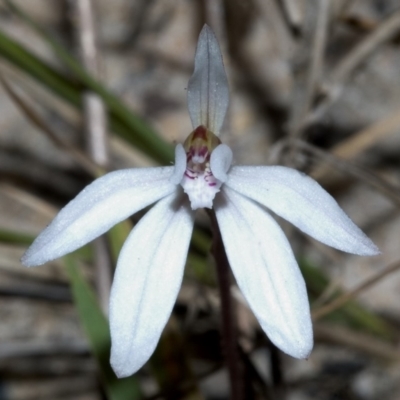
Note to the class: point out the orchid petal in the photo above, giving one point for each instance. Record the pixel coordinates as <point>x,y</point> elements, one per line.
<point>266,272</point>
<point>208,91</point>
<point>220,162</point>
<point>147,281</point>
<point>180,165</point>
<point>105,202</point>
<point>303,202</point>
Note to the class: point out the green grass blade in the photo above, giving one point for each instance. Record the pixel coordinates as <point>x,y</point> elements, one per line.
<point>38,69</point>
<point>98,333</point>
<point>12,237</point>
<point>116,238</point>
<point>122,121</point>
<point>136,124</point>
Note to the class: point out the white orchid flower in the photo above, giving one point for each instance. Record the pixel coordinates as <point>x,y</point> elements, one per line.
<point>151,264</point>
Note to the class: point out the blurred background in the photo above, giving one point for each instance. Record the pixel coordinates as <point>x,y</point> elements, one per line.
<point>88,87</point>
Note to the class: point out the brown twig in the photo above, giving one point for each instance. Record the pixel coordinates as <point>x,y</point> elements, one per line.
<point>214,16</point>
<point>34,290</point>
<point>294,13</point>
<point>94,110</point>
<point>358,341</point>
<point>315,69</point>
<point>96,132</point>
<point>138,19</point>
<point>369,178</point>
<point>335,84</point>
<point>283,42</point>
<point>346,297</point>
<point>79,156</point>
<point>362,141</point>
<point>344,8</point>
<point>368,137</point>
<point>38,348</point>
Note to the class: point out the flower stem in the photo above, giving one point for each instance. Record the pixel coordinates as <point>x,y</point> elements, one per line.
<point>229,329</point>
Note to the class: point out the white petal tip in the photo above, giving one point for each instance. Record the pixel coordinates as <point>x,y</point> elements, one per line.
<point>39,254</point>
<point>371,250</point>
<point>125,365</point>
<point>302,353</point>
<point>121,371</point>
<point>371,253</point>
<point>300,349</point>
<point>363,246</point>
<point>32,260</point>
